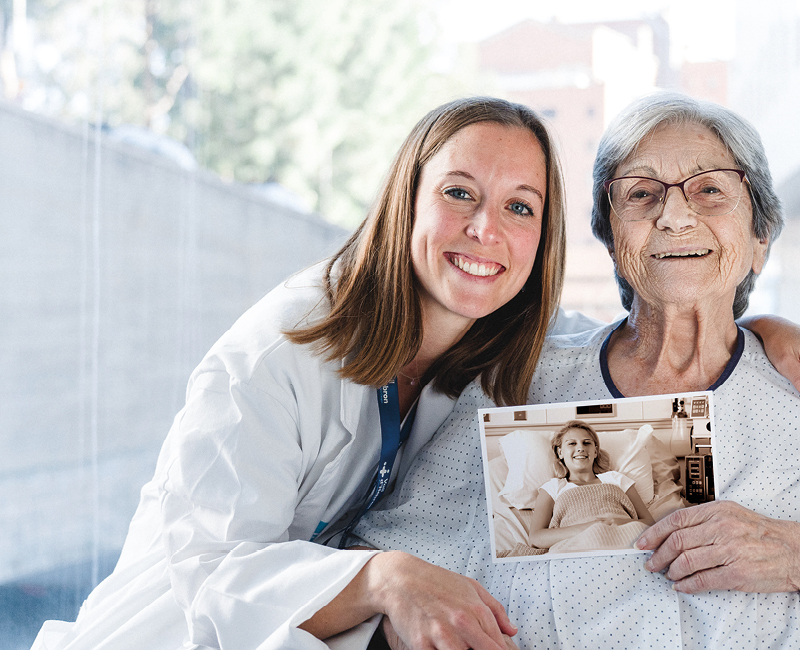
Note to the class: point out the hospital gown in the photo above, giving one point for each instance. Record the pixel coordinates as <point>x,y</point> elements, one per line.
<point>439,514</point>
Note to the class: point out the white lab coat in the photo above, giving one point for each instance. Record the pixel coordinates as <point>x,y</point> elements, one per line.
<point>270,443</point>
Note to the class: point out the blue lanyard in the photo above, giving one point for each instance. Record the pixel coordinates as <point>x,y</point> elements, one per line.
<point>392,436</point>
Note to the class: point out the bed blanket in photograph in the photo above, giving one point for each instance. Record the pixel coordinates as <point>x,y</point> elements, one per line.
<point>583,504</point>
<point>586,503</point>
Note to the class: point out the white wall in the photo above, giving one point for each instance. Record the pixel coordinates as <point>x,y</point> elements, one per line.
<point>97,348</point>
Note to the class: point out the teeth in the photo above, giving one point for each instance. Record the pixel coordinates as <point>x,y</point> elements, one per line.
<point>474,268</point>
<point>697,253</point>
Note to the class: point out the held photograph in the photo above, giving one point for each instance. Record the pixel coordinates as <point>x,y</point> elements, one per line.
<point>587,478</point>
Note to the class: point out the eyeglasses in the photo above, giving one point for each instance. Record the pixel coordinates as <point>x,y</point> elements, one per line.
<point>710,194</point>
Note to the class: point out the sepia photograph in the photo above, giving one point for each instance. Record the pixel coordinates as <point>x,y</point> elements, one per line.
<point>589,478</point>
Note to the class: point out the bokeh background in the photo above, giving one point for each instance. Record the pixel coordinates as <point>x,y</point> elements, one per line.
<point>165,163</point>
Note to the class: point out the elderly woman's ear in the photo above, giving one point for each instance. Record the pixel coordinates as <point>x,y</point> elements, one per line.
<point>760,255</point>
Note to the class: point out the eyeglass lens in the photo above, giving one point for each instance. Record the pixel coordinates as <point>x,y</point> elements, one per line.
<point>712,193</point>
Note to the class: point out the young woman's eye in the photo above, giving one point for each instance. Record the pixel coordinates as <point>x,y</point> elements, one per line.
<point>458,193</point>
<point>521,209</point>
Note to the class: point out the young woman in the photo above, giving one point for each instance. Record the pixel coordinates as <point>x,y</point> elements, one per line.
<point>295,420</point>
<point>585,492</point>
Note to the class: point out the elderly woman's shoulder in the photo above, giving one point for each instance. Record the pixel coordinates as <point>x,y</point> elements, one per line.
<point>587,341</point>
<point>473,397</point>
<point>754,366</point>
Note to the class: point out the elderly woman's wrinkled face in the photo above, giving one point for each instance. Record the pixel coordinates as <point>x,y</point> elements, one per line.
<point>681,257</point>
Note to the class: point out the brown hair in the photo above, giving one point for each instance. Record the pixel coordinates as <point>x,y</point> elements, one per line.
<point>602,463</point>
<point>375,319</point>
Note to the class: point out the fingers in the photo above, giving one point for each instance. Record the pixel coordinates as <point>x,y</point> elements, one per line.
<point>501,618</point>
<point>487,635</point>
<point>725,546</point>
<point>432,608</point>
<point>697,560</point>
<point>707,525</point>
<point>655,536</point>
<point>708,580</point>
<point>392,639</point>
<point>678,543</point>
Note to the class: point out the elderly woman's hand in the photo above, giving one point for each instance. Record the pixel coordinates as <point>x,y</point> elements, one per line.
<point>722,545</point>
<point>781,341</point>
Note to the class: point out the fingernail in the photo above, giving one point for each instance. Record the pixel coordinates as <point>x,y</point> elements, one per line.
<point>641,543</point>
<point>649,565</point>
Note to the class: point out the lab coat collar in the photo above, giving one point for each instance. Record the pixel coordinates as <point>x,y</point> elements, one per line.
<point>432,411</point>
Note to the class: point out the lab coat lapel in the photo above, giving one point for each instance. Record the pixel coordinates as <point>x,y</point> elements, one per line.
<point>432,410</point>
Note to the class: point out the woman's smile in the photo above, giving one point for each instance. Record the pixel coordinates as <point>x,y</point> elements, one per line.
<point>577,452</point>
<point>682,254</point>
<point>473,266</point>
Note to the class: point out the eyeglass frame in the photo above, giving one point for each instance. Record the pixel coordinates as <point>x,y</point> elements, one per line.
<point>668,186</point>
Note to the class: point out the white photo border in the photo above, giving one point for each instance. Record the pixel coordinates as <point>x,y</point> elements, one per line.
<point>626,405</point>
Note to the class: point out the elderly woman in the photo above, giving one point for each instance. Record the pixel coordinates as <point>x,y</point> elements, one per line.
<point>685,205</point>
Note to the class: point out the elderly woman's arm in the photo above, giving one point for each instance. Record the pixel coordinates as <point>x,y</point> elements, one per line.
<point>722,545</point>
<point>781,340</point>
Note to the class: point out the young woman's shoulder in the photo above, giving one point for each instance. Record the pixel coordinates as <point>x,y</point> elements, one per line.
<point>554,487</point>
<point>296,302</point>
<point>259,332</point>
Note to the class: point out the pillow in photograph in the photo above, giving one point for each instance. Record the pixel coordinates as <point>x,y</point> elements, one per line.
<point>665,465</point>
<point>629,455</point>
<point>529,458</point>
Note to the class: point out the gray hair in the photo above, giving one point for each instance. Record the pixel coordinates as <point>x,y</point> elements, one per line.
<point>639,120</point>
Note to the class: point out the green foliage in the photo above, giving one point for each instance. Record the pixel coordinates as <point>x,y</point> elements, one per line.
<point>314,94</point>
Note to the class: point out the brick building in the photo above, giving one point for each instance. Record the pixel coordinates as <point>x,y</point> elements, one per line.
<point>578,76</point>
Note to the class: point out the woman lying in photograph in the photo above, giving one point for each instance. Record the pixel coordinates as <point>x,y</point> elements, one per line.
<point>587,507</point>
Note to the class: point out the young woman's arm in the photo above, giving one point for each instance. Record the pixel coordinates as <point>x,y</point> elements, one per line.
<point>641,509</point>
<point>541,535</point>
<point>429,607</point>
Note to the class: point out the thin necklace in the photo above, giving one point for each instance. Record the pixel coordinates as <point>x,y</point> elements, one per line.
<point>413,381</point>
